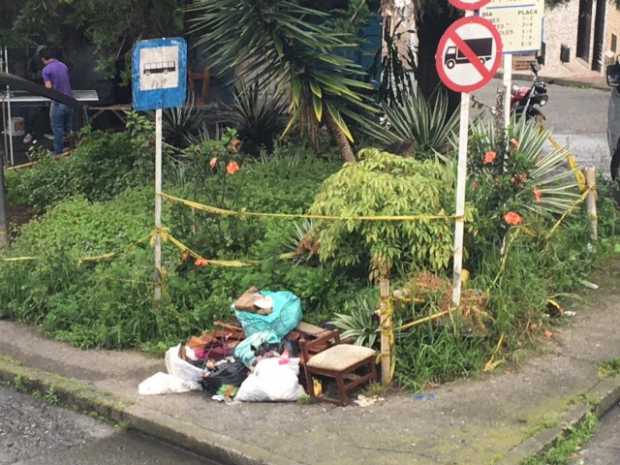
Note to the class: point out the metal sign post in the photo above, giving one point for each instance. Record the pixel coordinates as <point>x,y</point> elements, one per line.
<point>159,80</point>
<point>467,58</point>
<point>519,23</point>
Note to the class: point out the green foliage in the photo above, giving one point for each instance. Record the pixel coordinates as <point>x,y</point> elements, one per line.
<point>102,166</point>
<point>422,126</point>
<point>573,439</point>
<point>258,117</point>
<point>291,47</point>
<point>111,30</point>
<point>384,184</point>
<point>358,322</point>
<point>609,368</point>
<point>436,354</point>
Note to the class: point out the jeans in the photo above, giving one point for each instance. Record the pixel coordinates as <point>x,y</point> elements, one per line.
<point>61,119</point>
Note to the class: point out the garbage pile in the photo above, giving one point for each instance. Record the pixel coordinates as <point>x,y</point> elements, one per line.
<point>251,362</point>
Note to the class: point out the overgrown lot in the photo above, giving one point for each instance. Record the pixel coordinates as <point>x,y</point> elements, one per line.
<point>100,201</point>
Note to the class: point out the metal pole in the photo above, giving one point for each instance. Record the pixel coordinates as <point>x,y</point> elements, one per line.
<point>158,190</point>
<point>508,87</point>
<point>5,128</point>
<point>10,116</point>
<point>4,235</point>
<point>461,184</point>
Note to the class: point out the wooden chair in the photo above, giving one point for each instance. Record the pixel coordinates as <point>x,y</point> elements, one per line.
<point>326,356</point>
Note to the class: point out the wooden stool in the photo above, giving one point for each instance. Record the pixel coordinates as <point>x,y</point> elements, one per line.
<point>340,362</point>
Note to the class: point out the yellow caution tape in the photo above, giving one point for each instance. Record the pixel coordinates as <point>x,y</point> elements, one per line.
<point>223,212</point>
<point>166,236</point>
<point>572,163</point>
<point>18,259</point>
<point>568,211</point>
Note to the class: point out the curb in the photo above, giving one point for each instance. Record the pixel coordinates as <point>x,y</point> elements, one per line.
<point>566,82</point>
<point>86,399</point>
<point>599,400</point>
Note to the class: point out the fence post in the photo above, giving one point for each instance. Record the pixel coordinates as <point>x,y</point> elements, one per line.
<point>590,174</point>
<point>387,332</point>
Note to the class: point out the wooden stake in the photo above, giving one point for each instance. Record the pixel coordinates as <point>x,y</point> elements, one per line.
<point>387,332</point>
<point>590,174</point>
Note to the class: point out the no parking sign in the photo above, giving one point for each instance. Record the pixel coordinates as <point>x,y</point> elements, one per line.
<point>469,54</point>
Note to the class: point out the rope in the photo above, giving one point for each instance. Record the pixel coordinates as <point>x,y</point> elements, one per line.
<point>224,212</point>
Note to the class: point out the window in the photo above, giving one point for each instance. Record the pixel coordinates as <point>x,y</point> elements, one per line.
<point>614,42</point>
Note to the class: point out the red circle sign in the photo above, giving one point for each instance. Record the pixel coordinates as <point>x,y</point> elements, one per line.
<point>469,4</point>
<point>469,54</point>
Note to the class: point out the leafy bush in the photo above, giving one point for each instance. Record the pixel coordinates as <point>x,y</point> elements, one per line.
<point>102,166</point>
<point>385,184</point>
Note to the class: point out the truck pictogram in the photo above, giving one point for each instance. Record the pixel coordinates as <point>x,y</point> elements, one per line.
<point>482,48</point>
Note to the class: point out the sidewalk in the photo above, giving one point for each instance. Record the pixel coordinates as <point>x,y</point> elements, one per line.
<point>495,419</point>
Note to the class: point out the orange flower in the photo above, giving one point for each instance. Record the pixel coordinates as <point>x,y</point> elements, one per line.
<point>548,334</point>
<point>537,195</point>
<point>514,143</point>
<point>213,163</point>
<point>513,218</point>
<point>232,167</point>
<point>489,157</point>
<point>201,262</point>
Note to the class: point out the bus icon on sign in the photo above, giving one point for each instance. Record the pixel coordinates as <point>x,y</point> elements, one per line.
<point>160,67</point>
<point>483,48</point>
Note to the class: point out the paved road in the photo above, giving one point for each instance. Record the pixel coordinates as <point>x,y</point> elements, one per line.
<point>577,118</point>
<point>34,433</point>
<point>604,448</point>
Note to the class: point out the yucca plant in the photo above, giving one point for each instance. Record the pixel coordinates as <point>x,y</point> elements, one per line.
<point>182,124</point>
<point>258,116</point>
<point>419,125</point>
<point>359,324</point>
<point>292,48</point>
<point>547,175</point>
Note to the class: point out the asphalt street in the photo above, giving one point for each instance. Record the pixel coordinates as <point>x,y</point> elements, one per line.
<point>33,432</point>
<point>604,448</point>
<point>577,117</point>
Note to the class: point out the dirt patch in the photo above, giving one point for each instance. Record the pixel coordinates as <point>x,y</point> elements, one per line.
<point>18,215</point>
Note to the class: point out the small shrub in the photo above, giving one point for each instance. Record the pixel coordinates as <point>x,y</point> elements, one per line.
<point>384,184</point>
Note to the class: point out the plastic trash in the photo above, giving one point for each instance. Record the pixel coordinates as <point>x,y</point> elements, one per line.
<point>226,374</point>
<point>180,368</point>
<point>246,350</point>
<point>164,383</point>
<point>272,381</point>
<point>284,318</point>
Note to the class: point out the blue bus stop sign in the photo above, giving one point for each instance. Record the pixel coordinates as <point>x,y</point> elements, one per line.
<point>159,74</point>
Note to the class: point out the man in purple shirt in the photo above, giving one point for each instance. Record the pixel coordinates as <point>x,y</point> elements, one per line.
<point>56,76</point>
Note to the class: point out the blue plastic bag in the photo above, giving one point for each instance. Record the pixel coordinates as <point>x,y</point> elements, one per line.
<point>284,318</point>
<point>245,350</point>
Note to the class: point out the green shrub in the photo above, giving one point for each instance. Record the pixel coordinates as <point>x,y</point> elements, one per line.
<point>102,166</point>
<point>385,184</point>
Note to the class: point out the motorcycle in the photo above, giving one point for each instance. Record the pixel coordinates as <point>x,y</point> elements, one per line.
<point>525,100</point>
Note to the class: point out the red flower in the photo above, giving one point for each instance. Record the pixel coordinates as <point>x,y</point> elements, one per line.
<point>232,167</point>
<point>537,195</point>
<point>201,262</point>
<point>513,218</point>
<point>213,163</point>
<point>489,157</point>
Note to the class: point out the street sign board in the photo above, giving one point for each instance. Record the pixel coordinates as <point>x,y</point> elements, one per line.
<point>159,74</point>
<point>469,4</point>
<point>469,54</point>
<point>519,23</point>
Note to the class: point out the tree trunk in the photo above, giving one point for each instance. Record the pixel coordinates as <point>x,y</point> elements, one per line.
<point>432,21</point>
<point>346,151</point>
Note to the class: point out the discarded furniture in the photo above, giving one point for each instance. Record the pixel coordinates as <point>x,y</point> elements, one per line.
<point>349,365</point>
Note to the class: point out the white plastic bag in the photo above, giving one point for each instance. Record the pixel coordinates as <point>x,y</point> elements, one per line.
<point>273,379</point>
<point>163,383</point>
<point>180,368</point>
